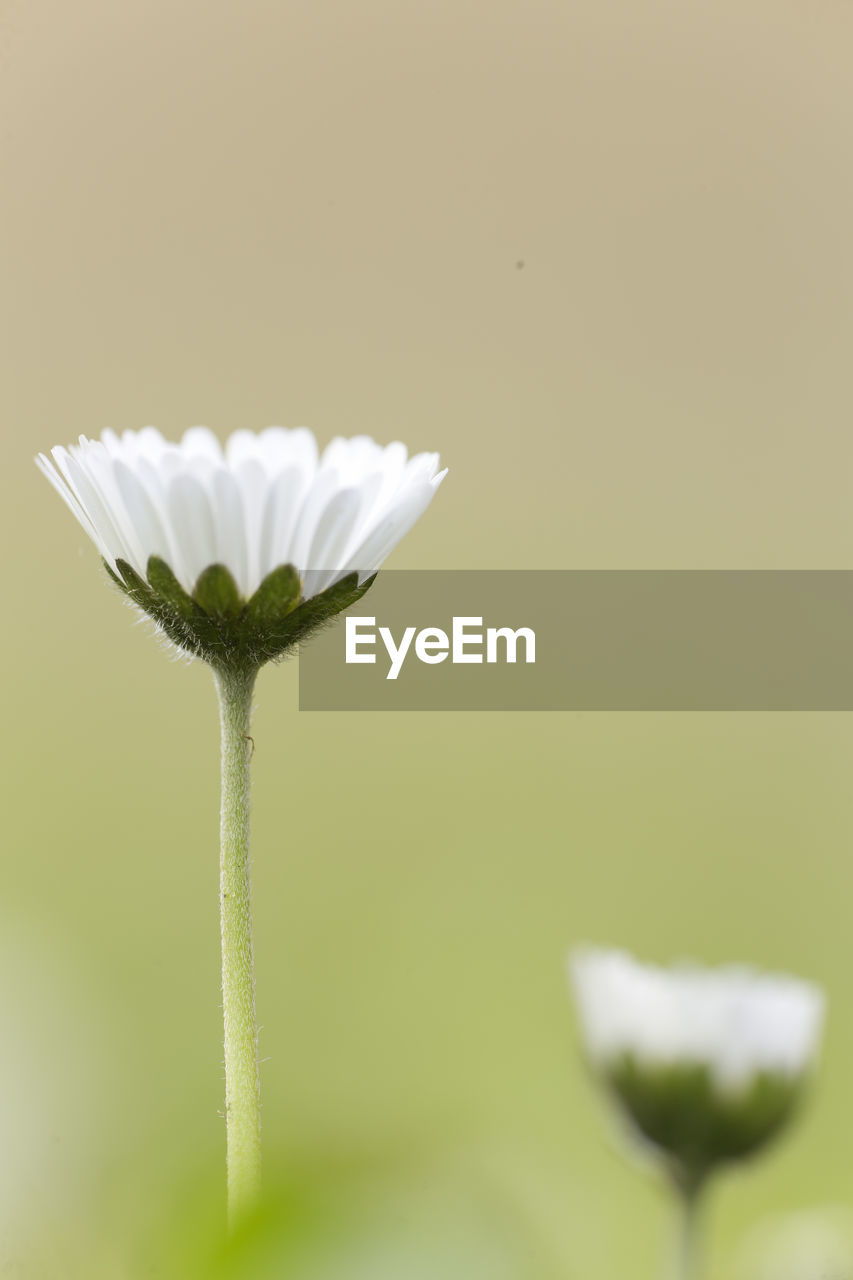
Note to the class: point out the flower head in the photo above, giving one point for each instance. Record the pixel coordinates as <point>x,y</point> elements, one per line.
<point>242,549</point>
<point>708,1063</point>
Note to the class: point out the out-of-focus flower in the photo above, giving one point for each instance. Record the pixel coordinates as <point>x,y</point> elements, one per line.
<point>708,1063</point>
<point>242,550</point>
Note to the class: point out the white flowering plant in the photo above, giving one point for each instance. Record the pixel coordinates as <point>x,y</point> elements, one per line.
<point>708,1064</point>
<point>237,554</point>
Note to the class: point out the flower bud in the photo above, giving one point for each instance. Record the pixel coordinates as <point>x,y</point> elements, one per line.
<point>708,1064</point>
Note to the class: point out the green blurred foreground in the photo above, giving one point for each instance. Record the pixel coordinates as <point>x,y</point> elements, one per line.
<point>418,880</point>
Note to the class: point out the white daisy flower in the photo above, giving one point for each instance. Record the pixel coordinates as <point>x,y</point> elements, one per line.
<point>237,554</point>
<point>708,1063</point>
<point>263,502</point>
<point>733,1021</point>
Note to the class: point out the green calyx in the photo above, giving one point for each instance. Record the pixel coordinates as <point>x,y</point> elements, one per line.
<point>215,622</point>
<point>694,1123</point>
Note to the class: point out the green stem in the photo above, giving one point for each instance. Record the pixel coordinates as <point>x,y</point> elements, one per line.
<point>242,1080</point>
<point>688,1263</point>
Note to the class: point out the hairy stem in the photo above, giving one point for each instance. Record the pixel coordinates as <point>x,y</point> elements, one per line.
<point>242,1081</point>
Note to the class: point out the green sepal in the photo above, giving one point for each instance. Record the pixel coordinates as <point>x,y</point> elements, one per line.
<point>116,579</point>
<point>216,593</point>
<point>194,634</point>
<point>131,579</point>
<point>136,587</point>
<point>229,633</point>
<point>693,1121</point>
<point>322,608</point>
<point>276,597</point>
<point>164,584</point>
<point>278,637</point>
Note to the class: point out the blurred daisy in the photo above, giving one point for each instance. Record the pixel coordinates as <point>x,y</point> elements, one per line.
<point>708,1064</point>
<point>162,515</point>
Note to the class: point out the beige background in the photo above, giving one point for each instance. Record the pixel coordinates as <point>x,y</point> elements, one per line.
<point>599,255</point>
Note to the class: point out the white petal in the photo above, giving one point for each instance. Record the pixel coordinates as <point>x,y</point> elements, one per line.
<point>194,529</point>
<point>281,448</point>
<point>360,455</point>
<point>331,536</point>
<point>111,443</point>
<point>265,499</point>
<point>240,446</point>
<point>324,486</point>
<point>201,441</point>
<point>383,538</point>
<point>371,509</point>
<point>422,466</point>
<point>253,483</point>
<point>736,1022</point>
<point>231,532</point>
<point>147,443</point>
<point>69,498</point>
<point>98,465</point>
<point>148,520</point>
<point>92,502</point>
<point>281,511</point>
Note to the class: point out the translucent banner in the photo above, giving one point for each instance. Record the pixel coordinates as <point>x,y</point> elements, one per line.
<point>615,640</point>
